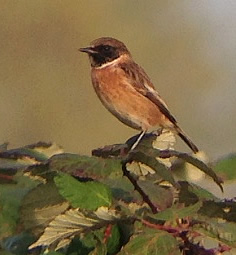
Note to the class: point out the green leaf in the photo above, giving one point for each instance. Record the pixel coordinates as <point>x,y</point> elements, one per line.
<point>11,196</point>
<point>152,243</point>
<point>226,167</point>
<point>161,197</point>
<point>40,206</point>
<point>153,163</point>
<point>191,193</point>
<point>189,159</point>
<point>106,171</point>
<point>91,238</point>
<point>85,166</point>
<point>40,172</point>
<point>113,243</point>
<point>100,249</point>
<point>61,231</point>
<point>224,209</point>
<point>63,228</point>
<point>178,212</point>
<point>201,166</point>
<point>217,229</point>
<point>25,157</point>
<point>38,152</point>
<point>94,240</point>
<point>85,195</point>
<point>122,189</point>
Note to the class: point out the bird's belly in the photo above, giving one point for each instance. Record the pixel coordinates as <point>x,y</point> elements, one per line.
<point>126,103</point>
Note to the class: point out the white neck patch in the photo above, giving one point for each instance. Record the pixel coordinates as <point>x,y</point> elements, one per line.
<point>113,62</point>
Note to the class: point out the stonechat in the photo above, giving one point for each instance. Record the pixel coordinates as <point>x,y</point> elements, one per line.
<point>126,90</point>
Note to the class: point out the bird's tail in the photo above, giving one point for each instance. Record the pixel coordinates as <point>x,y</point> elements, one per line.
<point>186,139</point>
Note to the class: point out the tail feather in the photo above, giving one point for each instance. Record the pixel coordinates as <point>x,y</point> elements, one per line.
<point>187,140</point>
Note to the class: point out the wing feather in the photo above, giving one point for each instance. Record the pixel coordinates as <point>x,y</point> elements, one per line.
<point>143,85</point>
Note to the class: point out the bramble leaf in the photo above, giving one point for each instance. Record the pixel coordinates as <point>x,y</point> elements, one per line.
<point>178,212</point>
<point>154,164</point>
<point>217,229</point>
<point>226,167</point>
<point>40,206</point>
<point>11,196</point>
<point>85,195</point>
<point>151,242</point>
<point>73,222</point>
<point>85,166</point>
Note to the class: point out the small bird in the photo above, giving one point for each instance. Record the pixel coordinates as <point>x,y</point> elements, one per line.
<point>126,90</point>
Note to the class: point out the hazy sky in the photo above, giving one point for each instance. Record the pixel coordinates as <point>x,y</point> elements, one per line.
<point>188,48</point>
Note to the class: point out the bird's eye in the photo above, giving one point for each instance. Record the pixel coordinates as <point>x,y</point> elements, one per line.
<point>107,47</point>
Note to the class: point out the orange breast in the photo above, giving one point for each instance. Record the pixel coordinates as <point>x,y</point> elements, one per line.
<point>122,100</point>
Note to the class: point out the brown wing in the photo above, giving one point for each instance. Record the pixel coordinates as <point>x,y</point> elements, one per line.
<point>143,85</point>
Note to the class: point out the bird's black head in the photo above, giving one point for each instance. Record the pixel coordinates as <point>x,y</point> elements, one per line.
<point>104,50</point>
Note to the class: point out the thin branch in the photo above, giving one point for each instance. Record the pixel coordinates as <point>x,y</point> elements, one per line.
<point>173,230</point>
<point>138,188</point>
<point>6,177</point>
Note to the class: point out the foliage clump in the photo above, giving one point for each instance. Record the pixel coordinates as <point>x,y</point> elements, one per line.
<point>113,202</point>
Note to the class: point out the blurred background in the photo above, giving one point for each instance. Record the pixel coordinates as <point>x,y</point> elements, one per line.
<point>188,48</point>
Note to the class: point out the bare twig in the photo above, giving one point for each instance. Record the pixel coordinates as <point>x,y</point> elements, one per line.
<point>138,188</point>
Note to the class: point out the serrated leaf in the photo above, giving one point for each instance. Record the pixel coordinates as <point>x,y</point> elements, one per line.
<point>85,166</point>
<point>178,212</point>
<point>104,213</point>
<point>86,195</point>
<point>201,166</point>
<point>226,167</point>
<point>189,159</point>
<point>191,193</point>
<point>139,169</point>
<point>11,196</point>
<point>217,229</point>
<point>108,151</point>
<point>106,171</point>
<point>122,189</point>
<point>73,222</point>
<point>151,243</point>
<point>153,163</point>
<point>64,227</point>
<point>161,197</point>
<point>13,160</point>
<point>223,209</point>
<point>165,141</point>
<point>47,149</point>
<point>26,155</point>
<point>9,165</point>
<point>40,206</point>
<point>41,172</point>
<point>162,141</point>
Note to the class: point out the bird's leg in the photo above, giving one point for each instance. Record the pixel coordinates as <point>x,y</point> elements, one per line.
<point>138,140</point>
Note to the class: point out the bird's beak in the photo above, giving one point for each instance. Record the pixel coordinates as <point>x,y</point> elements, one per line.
<point>89,50</point>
